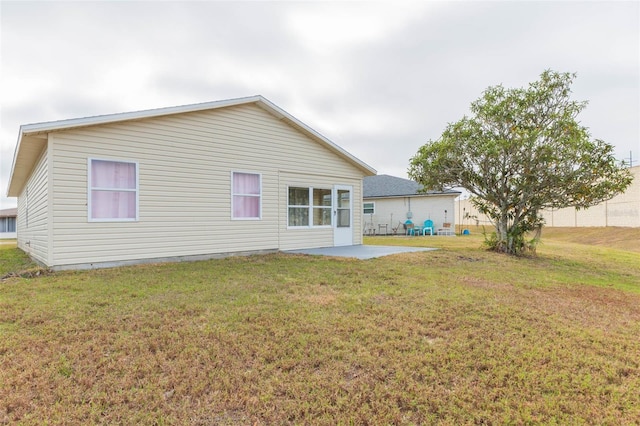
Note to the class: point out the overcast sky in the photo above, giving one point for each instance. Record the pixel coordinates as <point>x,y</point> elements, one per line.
<point>379,79</point>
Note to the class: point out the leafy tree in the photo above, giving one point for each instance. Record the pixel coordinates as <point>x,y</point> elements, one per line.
<point>520,151</point>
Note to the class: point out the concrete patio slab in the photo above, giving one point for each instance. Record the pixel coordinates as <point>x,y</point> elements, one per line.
<point>360,251</point>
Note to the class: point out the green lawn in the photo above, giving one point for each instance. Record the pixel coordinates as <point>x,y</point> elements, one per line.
<point>454,336</point>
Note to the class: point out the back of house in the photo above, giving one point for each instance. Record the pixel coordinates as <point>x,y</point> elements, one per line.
<point>190,182</point>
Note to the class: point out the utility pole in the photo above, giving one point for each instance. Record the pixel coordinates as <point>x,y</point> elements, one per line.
<point>630,158</point>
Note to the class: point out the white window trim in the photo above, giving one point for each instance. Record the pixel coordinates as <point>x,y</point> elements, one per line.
<point>309,207</point>
<point>90,188</point>
<point>369,202</point>
<point>247,195</point>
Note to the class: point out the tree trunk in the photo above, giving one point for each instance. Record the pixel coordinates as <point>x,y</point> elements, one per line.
<point>503,235</point>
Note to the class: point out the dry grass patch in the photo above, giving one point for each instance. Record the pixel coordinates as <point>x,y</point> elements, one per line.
<point>456,336</point>
<point>613,237</point>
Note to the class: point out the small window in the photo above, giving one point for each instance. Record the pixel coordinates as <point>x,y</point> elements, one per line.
<point>369,208</point>
<point>246,196</point>
<point>113,190</point>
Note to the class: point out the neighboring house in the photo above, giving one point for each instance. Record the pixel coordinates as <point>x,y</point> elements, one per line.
<point>390,201</point>
<point>182,183</point>
<point>8,223</point>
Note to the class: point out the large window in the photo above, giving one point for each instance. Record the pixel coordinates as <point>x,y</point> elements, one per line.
<point>298,206</point>
<point>246,196</point>
<point>113,190</point>
<point>309,206</point>
<point>321,207</point>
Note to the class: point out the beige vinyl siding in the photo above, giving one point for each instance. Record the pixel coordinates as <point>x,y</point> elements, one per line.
<point>33,222</point>
<point>185,163</point>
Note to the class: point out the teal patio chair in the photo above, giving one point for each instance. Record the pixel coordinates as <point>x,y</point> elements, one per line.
<point>409,228</point>
<point>428,226</point>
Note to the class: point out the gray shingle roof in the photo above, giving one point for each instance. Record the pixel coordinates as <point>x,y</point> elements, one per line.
<point>391,186</point>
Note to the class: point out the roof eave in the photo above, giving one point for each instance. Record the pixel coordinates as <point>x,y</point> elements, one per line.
<point>72,123</point>
<point>11,192</point>
<point>24,158</point>
<point>435,194</point>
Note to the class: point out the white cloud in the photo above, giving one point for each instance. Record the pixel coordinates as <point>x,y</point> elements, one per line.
<point>378,78</point>
<point>324,28</point>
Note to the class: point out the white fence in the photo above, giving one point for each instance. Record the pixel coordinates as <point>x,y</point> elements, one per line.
<point>622,210</point>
